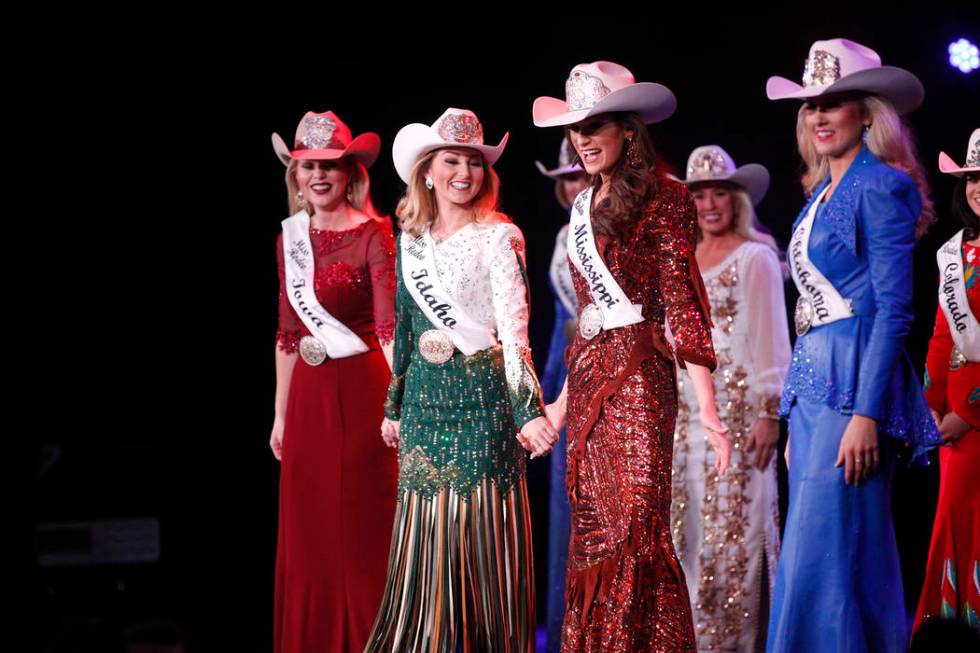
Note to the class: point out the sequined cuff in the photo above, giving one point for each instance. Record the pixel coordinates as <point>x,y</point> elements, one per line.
<point>288,340</point>
<point>769,407</point>
<point>525,390</point>
<point>393,403</point>
<point>385,331</point>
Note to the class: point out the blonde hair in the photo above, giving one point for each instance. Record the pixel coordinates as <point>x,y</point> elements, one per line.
<point>358,187</point>
<point>418,207</point>
<point>888,138</point>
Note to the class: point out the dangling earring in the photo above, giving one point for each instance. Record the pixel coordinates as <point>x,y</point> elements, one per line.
<point>350,193</point>
<point>864,134</point>
<point>428,183</point>
<point>632,156</point>
<point>300,199</point>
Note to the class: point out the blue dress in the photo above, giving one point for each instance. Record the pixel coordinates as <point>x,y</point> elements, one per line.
<point>838,584</point>
<point>555,372</point>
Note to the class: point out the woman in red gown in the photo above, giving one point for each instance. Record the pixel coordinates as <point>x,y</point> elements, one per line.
<point>631,243</point>
<point>952,583</point>
<point>337,484</point>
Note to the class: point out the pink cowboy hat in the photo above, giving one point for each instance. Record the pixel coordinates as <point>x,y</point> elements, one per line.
<point>839,65</point>
<point>455,127</point>
<point>947,165</point>
<point>324,136</point>
<point>601,87</point>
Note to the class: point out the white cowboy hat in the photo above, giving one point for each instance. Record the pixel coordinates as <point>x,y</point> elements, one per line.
<point>324,136</point>
<point>710,163</point>
<point>601,87</point>
<point>566,163</point>
<point>455,127</point>
<point>947,165</point>
<point>840,65</point>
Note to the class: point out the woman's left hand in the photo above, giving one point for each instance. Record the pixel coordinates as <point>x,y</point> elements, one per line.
<point>718,437</point>
<point>952,428</point>
<point>763,440</point>
<point>538,436</point>
<point>858,451</point>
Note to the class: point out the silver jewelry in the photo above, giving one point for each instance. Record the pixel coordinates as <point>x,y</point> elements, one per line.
<point>428,183</point>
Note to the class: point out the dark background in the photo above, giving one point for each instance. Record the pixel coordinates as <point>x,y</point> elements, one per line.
<point>167,402</point>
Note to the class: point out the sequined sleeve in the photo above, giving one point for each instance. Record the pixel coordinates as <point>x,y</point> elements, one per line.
<point>404,343</point>
<point>769,334</point>
<point>381,262</point>
<point>508,280</point>
<point>671,217</point>
<point>290,328</point>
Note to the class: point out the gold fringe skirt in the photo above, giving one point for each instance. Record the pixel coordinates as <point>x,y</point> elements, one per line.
<point>460,574</point>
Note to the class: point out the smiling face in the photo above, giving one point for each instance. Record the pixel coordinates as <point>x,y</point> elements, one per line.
<point>457,174</point>
<point>973,191</point>
<point>323,183</point>
<point>716,208</point>
<point>599,142</point>
<point>834,124</point>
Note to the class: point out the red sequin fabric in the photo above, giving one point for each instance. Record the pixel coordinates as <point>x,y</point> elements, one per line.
<point>626,589</point>
<point>354,280</point>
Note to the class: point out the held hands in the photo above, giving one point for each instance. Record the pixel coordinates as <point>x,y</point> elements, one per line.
<point>762,440</point>
<point>858,451</point>
<point>952,428</point>
<point>389,432</point>
<point>717,436</point>
<point>538,436</point>
<point>275,442</point>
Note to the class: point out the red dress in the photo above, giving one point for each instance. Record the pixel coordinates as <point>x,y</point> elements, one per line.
<point>338,479</point>
<point>952,584</point>
<point>626,590</point>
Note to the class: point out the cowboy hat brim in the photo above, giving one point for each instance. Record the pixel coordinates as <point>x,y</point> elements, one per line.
<point>753,177</point>
<point>416,140</point>
<point>365,149</point>
<point>899,86</point>
<point>560,171</point>
<point>950,167</point>
<point>654,102</point>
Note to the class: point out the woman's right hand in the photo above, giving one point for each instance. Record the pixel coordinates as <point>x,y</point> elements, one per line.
<point>390,432</point>
<point>275,442</point>
<point>717,437</point>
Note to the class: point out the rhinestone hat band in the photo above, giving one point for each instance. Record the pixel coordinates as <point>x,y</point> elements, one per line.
<point>821,69</point>
<point>318,132</point>
<point>709,164</point>
<point>583,91</point>
<point>461,128</point>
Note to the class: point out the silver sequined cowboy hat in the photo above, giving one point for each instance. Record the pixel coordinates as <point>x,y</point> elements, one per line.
<point>840,66</point>
<point>455,127</point>
<point>710,163</point>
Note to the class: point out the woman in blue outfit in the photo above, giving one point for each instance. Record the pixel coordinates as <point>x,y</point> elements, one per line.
<point>570,180</point>
<point>852,397</point>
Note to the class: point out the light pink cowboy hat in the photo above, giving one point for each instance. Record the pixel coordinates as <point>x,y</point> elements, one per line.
<point>566,163</point>
<point>839,65</point>
<point>455,127</point>
<point>324,136</point>
<point>947,165</point>
<point>601,87</point>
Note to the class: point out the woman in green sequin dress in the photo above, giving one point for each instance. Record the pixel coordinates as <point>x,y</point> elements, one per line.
<point>460,569</point>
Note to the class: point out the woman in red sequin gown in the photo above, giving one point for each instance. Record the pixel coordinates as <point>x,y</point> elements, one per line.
<point>337,483</point>
<point>626,590</point>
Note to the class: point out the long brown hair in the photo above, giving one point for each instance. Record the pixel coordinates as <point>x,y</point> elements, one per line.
<point>631,185</point>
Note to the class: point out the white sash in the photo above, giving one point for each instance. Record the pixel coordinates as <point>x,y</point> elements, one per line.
<point>561,275</point>
<point>828,305</point>
<point>339,341</point>
<point>963,324</point>
<point>422,282</point>
<point>617,310</point>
